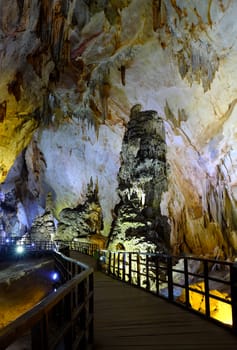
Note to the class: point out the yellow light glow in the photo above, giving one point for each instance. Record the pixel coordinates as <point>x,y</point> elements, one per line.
<point>222,312</point>
<point>219,310</point>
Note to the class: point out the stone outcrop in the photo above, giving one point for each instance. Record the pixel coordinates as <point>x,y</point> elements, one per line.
<point>13,219</point>
<point>43,228</point>
<point>142,180</point>
<point>83,221</point>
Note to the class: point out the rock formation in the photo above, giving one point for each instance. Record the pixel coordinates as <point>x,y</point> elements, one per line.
<point>142,179</point>
<point>83,221</point>
<point>70,72</point>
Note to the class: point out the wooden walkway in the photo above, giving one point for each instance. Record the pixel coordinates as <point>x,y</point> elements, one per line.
<point>130,318</point>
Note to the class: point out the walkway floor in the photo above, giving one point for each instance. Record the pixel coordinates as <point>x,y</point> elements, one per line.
<point>130,318</point>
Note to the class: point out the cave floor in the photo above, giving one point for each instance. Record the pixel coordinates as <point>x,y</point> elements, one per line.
<point>23,284</point>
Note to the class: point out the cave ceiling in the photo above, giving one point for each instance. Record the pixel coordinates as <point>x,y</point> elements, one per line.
<point>71,72</point>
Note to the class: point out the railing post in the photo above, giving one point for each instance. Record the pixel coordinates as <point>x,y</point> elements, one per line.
<point>39,335</point>
<point>147,273</point>
<point>91,309</point>
<point>138,271</point>
<point>114,264</point>
<point>118,265</point>
<point>157,265</point>
<point>206,284</point>
<point>233,281</point>
<point>130,268</point>
<point>124,266</point>
<point>109,264</point>
<point>170,278</point>
<point>186,281</point>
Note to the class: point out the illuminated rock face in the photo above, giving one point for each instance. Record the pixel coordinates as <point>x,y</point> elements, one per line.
<point>83,221</point>
<point>142,178</point>
<point>71,72</point>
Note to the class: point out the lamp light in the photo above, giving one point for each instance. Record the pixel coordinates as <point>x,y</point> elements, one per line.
<point>20,249</point>
<point>54,276</point>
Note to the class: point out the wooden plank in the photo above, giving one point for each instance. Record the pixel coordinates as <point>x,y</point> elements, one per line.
<point>129,318</point>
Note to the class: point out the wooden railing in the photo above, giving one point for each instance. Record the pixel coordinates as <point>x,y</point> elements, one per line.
<point>182,280</point>
<point>62,320</point>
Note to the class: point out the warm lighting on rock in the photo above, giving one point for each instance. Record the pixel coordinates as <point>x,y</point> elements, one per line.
<point>219,310</point>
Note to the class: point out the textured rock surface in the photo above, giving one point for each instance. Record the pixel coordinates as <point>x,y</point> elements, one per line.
<point>83,221</point>
<point>43,228</point>
<point>70,73</point>
<point>142,179</point>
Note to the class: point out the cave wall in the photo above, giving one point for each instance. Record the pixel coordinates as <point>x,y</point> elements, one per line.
<point>70,73</point>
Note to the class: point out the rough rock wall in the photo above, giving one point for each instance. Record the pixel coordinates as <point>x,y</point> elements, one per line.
<point>73,70</point>
<point>32,53</point>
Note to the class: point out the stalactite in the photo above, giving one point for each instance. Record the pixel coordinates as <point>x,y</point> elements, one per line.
<point>51,28</point>
<point>66,53</point>
<point>177,9</point>
<point>170,115</point>
<point>57,34</point>
<point>156,4</point>
<point>104,95</point>
<point>20,4</point>
<point>112,14</point>
<point>54,75</point>
<point>209,13</point>
<point>14,87</point>
<point>159,16</point>
<point>36,60</point>
<point>182,116</point>
<point>3,111</point>
<point>38,161</point>
<point>123,71</point>
<point>43,29</point>
<point>94,108</point>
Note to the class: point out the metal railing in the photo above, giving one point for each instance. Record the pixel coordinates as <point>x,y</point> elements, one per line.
<point>9,245</point>
<point>81,247</point>
<point>63,319</point>
<point>205,286</point>
<point>182,280</point>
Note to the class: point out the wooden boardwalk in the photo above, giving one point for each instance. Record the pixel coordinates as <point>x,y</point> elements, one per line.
<point>130,318</point>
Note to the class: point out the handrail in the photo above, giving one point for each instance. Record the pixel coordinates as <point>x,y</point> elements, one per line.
<point>64,318</point>
<point>170,277</point>
<point>81,247</point>
<point>175,278</point>
<point>160,275</point>
<point>28,244</point>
